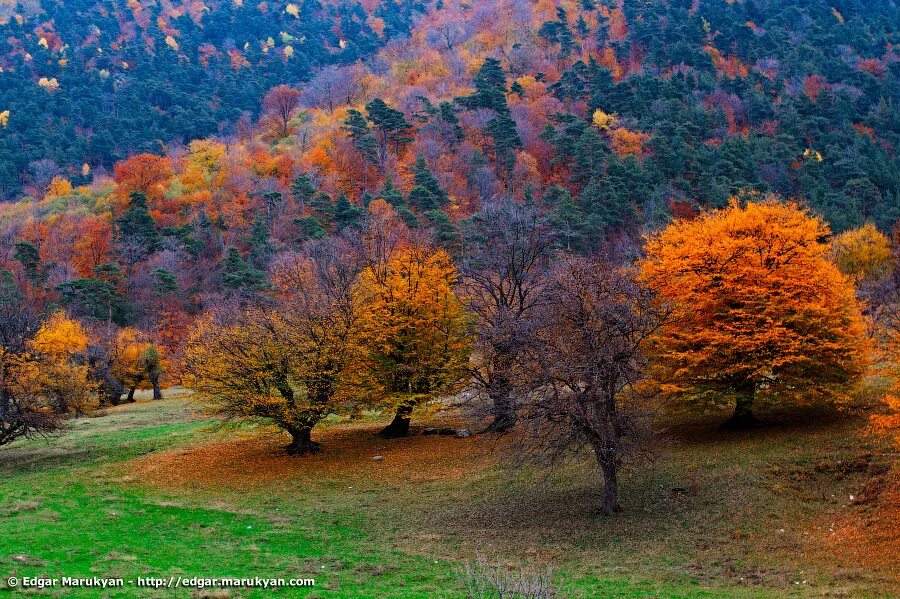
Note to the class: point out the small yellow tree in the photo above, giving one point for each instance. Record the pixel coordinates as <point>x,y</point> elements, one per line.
<point>862,253</point>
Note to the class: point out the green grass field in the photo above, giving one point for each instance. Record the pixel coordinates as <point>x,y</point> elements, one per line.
<point>156,489</point>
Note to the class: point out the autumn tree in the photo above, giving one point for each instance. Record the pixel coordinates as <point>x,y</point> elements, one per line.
<point>412,331</point>
<point>761,313</point>
<point>503,274</point>
<point>41,381</point>
<point>587,354</point>
<point>279,105</point>
<point>137,362</point>
<point>282,361</point>
<point>862,253</point>
<point>142,173</point>
<point>882,296</point>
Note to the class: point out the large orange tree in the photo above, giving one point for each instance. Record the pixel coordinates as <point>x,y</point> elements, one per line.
<point>762,315</point>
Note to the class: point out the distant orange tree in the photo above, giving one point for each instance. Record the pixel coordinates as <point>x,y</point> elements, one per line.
<point>762,315</point>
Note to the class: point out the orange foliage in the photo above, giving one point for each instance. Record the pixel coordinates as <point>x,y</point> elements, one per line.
<point>145,173</point>
<point>627,143</point>
<point>759,310</point>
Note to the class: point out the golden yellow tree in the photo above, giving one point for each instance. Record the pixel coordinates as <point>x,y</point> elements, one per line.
<point>761,314</point>
<point>137,362</point>
<point>862,253</point>
<point>413,331</point>
<point>41,378</point>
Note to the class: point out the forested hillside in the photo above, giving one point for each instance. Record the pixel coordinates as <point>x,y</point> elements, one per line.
<point>88,82</point>
<point>247,129</point>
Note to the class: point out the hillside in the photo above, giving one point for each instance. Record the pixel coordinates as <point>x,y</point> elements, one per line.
<point>614,117</point>
<point>90,82</point>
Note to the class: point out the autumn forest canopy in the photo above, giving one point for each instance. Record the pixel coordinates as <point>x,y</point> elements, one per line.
<point>574,226</point>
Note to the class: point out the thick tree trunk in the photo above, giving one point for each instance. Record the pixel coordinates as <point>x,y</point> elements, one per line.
<point>399,426</point>
<point>301,443</point>
<point>504,414</point>
<point>610,487</point>
<point>130,397</point>
<point>608,461</point>
<point>157,392</point>
<point>743,411</point>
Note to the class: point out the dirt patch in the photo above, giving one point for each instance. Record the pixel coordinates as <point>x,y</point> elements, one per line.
<point>348,452</point>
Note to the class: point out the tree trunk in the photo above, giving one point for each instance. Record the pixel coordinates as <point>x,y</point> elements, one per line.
<point>157,392</point>
<point>399,426</point>
<point>610,487</point>
<point>743,411</point>
<point>609,467</point>
<point>301,443</point>
<point>130,397</point>
<point>504,414</point>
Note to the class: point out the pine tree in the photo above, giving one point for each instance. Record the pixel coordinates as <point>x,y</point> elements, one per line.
<point>490,92</point>
<point>391,125</point>
<point>29,257</point>
<point>302,189</point>
<point>261,248</point>
<point>360,134</point>
<point>136,227</point>
<point>423,177</point>
<point>445,232</point>
<point>310,228</point>
<point>420,197</point>
<point>323,208</point>
<point>568,220</point>
<point>164,282</point>
<point>346,213</point>
<point>391,194</point>
<point>237,275</point>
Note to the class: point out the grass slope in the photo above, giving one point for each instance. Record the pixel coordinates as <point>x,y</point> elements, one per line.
<point>154,489</point>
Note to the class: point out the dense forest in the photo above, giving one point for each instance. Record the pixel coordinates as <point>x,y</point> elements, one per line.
<point>246,130</point>
<point>90,82</point>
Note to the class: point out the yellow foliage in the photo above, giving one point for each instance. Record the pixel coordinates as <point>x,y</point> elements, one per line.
<point>58,187</point>
<point>59,336</point>
<point>4,118</point>
<point>49,84</point>
<point>412,327</point>
<point>293,10</point>
<point>861,253</point>
<point>171,42</point>
<point>627,143</point>
<point>603,120</point>
<point>812,154</point>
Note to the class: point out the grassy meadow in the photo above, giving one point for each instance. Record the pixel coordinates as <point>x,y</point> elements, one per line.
<point>158,489</point>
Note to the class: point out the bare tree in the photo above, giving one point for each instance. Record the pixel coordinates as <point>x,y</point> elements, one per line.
<point>503,274</point>
<point>279,104</point>
<point>588,364</point>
